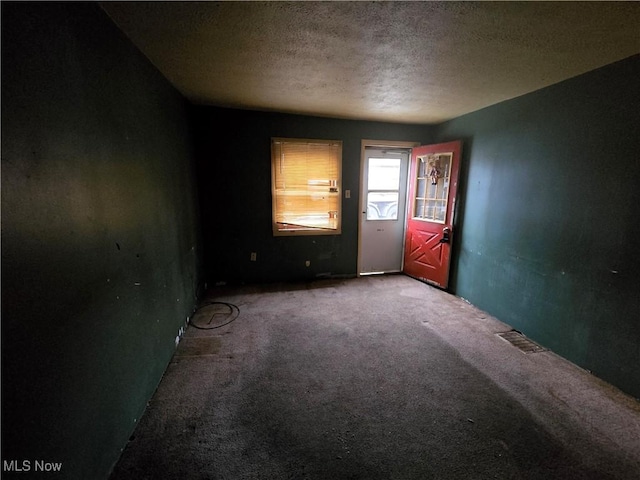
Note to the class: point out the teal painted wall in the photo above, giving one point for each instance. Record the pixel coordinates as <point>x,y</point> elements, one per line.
<point>234,169</point>
<point>549,233</point>
<point>100,242</point>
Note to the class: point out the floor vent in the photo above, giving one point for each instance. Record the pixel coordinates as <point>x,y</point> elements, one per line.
<point>518,340</point>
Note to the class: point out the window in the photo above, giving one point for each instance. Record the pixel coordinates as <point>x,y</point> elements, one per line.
<point>383,187</point>
<point>305,176</point>
<point>432,188</point>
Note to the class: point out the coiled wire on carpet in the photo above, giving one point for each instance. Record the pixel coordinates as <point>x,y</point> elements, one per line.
<point>234,312</point>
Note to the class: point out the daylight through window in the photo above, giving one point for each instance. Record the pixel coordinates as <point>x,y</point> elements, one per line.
<point>306,186</point>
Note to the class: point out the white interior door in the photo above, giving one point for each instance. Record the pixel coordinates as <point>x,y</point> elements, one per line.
<point>383,201</point>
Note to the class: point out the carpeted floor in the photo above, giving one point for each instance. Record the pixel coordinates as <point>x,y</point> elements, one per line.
<point>379,377</point>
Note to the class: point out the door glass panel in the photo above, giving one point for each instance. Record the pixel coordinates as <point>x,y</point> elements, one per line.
<point>384,174</point>
<point>420,206</point>
<point>422,188</point>
<point>382,206</point>
<point>432,187</point>
<point>383,183</point>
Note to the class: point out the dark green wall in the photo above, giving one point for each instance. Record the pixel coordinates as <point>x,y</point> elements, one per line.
<point>100,243</point>
<point>234,170</point>
<point>550,229</point>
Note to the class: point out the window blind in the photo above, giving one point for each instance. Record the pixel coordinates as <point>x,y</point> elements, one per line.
<point>306,180</point>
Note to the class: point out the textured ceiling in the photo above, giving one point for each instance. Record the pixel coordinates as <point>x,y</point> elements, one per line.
<point>410,62</point>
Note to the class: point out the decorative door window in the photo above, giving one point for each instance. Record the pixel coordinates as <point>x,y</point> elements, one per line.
<point>432,187</point>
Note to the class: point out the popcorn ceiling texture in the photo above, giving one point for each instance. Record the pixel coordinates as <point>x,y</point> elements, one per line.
<point>410,62</point>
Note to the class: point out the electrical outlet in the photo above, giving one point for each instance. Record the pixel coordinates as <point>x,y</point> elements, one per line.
<point>254,256</point>
<point>347,194</point>
<point>307,263</point>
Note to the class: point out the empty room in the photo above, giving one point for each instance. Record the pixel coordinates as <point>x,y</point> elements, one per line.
<point>320,240</point>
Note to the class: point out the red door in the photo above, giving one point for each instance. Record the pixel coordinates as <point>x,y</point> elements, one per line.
<point>433,182</point>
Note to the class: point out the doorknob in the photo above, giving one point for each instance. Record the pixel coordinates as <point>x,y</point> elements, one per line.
<point>446,233</point>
